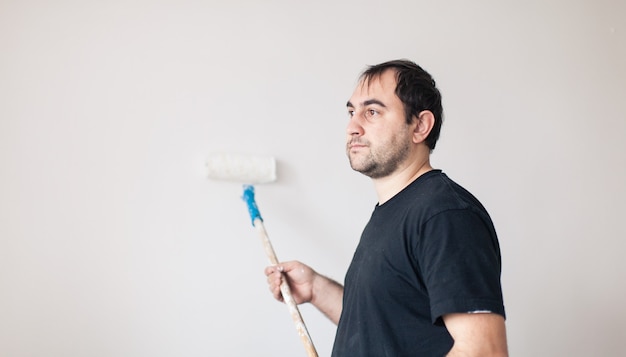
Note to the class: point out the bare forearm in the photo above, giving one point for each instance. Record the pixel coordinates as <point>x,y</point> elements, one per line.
<point>328,297</point>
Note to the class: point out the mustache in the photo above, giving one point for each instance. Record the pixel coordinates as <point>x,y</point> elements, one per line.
<point>357,141</point>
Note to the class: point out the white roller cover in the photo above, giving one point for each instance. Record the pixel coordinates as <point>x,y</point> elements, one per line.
<point>241,168</point>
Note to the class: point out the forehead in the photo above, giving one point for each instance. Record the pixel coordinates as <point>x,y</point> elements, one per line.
<point>381,87</point>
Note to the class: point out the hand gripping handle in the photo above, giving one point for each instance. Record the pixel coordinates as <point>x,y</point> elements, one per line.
<point>257,222</point>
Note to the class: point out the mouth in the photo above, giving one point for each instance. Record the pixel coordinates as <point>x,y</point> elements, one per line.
<point>356,141</point>
<point>356,146</point>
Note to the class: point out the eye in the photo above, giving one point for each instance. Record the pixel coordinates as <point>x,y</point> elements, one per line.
<point>370,113</point>
<point>350,113</point>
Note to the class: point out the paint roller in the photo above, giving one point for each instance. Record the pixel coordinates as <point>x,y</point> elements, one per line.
<point>255,170</point>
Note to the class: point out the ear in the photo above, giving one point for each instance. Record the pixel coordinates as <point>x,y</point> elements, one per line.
<point>425,121</point>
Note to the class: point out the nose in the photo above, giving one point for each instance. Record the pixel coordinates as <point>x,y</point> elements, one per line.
<point>355,126</point>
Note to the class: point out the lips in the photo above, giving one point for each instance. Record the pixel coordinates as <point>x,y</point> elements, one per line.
<point>356,144</point>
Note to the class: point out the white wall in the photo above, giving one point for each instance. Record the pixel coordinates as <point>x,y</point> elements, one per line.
<point>112,242</point>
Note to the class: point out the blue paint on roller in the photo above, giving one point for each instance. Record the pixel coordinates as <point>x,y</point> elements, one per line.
<point>248,196</point>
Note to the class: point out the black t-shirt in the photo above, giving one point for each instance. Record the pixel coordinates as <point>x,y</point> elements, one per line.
<point>430,250</point>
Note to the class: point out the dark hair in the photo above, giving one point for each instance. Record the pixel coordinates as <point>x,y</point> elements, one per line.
<point>416,89</point>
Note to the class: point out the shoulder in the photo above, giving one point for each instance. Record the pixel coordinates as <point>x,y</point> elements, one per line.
<point>435,192</point>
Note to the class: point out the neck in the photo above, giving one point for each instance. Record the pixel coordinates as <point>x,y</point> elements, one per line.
<point>388,186</point>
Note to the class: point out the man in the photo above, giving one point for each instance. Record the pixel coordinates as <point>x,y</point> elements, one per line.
<point>425,277</point>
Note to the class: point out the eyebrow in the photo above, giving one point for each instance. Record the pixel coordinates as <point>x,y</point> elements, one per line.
<point>368,102</point>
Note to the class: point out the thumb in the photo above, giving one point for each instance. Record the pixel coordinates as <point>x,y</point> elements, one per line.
<point>286,267</point>
<point>281,267</point>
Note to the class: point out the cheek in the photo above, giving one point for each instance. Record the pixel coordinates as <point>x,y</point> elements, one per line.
<point>392,137</point>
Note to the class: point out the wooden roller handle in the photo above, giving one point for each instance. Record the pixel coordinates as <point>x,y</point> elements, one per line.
<point>284,289</point>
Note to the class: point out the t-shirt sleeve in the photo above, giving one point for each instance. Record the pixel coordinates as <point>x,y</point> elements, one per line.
<point>460,261</point>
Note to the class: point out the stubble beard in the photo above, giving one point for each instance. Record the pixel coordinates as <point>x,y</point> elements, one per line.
<point>379,161</point>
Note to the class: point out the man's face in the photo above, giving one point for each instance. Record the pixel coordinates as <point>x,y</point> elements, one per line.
<point>378,137</point>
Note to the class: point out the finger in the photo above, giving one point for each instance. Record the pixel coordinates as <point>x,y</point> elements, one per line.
<point>274,268</point>
<point>274,278</point>
<point>275,290</point>
<point>269,270</point>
